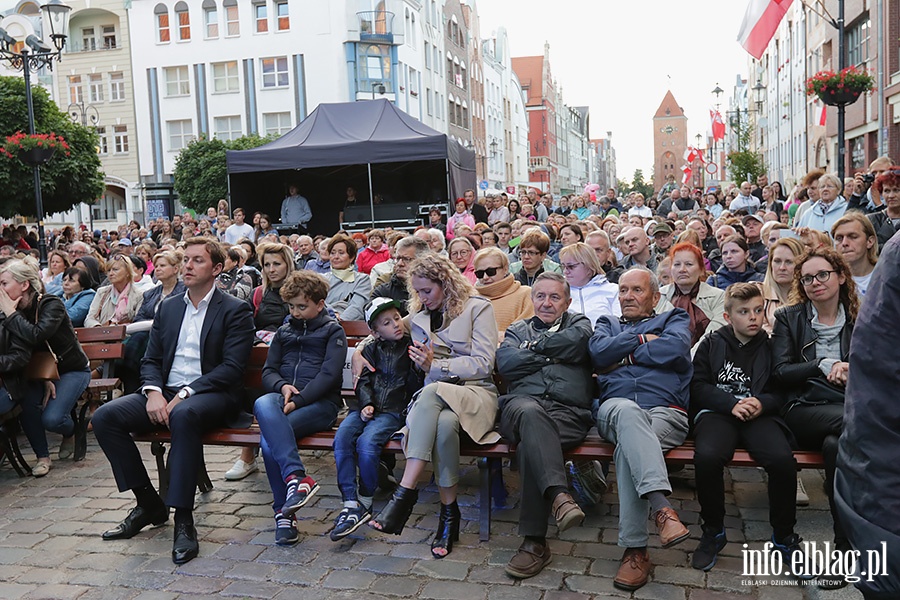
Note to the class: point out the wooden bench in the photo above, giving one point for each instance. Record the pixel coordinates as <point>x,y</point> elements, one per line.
<point>489,457</point>
<point>103,346</point>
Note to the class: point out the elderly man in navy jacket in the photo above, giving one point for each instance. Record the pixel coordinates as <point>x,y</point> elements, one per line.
<point>191,382</point>
<point>644,370</point>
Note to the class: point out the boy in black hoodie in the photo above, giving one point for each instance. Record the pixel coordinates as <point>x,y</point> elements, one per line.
<point>733,405</point>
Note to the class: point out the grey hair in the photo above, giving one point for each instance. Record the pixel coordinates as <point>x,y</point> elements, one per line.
<point>654,281</point>
<point>440,235</point>
<point>412,241</point>
<point>599,233</point>
<point>551,276</point>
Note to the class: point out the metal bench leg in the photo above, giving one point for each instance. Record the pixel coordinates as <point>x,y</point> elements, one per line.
<point>203,481</point>
<point>158,449</point>
<point>81,424</point>
<point>10,444</point>
<point>484,500</point>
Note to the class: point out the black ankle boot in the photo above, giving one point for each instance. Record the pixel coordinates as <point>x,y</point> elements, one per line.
<point>447,531</point>
<point>394,516</point>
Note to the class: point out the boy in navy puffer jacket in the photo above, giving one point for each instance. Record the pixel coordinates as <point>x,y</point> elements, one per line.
<point>303,375</point>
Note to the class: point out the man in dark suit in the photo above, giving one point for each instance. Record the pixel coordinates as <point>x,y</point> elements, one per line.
<point>191,380</point>
<point>479,212</point>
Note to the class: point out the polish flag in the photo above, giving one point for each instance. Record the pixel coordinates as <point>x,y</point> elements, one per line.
<point>688,171</point>
<point>718,125</point>
<point>759,25</point>
<point>822,116</point>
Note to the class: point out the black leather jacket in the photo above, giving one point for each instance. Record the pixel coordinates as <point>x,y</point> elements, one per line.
<point>794,361</point>
<point>52,325</point>
<point>395,380</point>
<point>14,355</point>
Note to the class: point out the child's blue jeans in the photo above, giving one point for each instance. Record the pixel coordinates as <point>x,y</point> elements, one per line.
<point>358,441</point>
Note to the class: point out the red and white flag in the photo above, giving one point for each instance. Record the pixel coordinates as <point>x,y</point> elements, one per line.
<point>822,116</point>
<point>760,23</point>
<point>718,125</point>
<point>688,171</point>
<point>691,154</point>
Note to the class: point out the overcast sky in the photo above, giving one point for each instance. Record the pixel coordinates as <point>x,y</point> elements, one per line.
<point>620,57</point>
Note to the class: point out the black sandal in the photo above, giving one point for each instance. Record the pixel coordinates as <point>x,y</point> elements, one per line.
<point>393,517</point>
<point>448,530</point>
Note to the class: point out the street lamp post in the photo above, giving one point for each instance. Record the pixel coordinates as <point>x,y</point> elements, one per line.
<point>33,55</point>
<point>83,113</point>
<point>377,87</point>
<point>486,157</point>
<point>718,92</point>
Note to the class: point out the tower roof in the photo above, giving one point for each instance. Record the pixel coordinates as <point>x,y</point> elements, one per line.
<point>668,108</point>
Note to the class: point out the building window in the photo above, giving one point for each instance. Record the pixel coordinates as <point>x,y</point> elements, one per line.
<point>373,67</point>
<point>109,37</point>
<point>116,86</point>
<point>277,123</point>
<point>225,77</point>
<point>281,13</point>
<point>162,23</point>
<point>88,42</point>
<point>275,72</point>
<point>211,19</point>
<point>178,81</point>
<point>427,56</point>
<point>120,139</point>
<point>428,105</point>
<point>102,143</point>
<point>451,111</point>
<point>227,128</point>
<point>858,36</point>
<point>180,133</point>
<point>76,93</point>
<point>184,21</point>
<point>232,24</point>
<point>95,81</point>
<point>413,82</point>
<point>261,16</point>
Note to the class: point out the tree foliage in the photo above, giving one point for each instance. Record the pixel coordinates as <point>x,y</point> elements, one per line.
<point>637,185</point>
<point>65,180</point>
<point>201,174</point>
<point>743,164</point>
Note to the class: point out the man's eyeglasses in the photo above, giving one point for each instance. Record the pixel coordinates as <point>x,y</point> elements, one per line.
<point>821,276</point>
<point>403,259</point>
<point>490,272</point>
<point>529,253</point>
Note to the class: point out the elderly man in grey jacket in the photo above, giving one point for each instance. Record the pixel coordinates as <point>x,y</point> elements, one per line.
<point>546,363</point>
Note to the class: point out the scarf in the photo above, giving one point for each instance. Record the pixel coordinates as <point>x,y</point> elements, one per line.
<point>345,275</point>
<point>120,315</point>
<point>699,320</point>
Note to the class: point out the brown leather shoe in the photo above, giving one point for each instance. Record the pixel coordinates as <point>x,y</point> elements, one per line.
<point>529,560</point>
<point>671,529</point>
<point>634,571</point>
<point>566,511</point>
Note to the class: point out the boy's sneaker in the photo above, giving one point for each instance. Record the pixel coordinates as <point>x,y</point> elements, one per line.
<point>348,521</point>
<point>788,546</point>
<point>286,533</point>
<point>299,492</point>
<point>802,496</point>
<point>707,551</point>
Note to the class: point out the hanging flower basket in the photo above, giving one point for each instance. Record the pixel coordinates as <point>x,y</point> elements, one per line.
<point>840,89</point>
<point>33,150</point>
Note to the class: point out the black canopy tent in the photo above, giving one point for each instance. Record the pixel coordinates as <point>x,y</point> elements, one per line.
<point>372,146</point>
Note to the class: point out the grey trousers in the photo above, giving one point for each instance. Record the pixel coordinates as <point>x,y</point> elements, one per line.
<point>534,424</point>
<point>434,436</point>
<point>641,437</point>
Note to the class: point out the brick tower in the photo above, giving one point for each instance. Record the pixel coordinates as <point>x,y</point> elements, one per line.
<point>669,141</point>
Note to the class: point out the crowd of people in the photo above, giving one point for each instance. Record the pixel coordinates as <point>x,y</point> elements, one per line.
<point>726,315</point>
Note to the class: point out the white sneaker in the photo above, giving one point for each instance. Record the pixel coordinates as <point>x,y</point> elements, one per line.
<point>802,496</point>
<point>241,470</point>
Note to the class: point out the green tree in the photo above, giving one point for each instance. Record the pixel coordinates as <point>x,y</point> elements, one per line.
<point>637,185</point>
<point>67,179</point>
<point>744,165</point>
<point>201,173</point>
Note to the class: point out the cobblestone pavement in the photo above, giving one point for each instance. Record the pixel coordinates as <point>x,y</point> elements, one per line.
<point>50,544</point>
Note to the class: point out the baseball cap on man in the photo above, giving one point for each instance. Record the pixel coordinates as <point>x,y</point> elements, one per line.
<point>125,242</point>
<point>378,306</point>
<point>660,228</point>
<point>752,216</point>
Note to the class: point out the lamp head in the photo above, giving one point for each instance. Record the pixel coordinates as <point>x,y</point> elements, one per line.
<point>37,45</point>
<point>6,41</point>
<point>55,16</point>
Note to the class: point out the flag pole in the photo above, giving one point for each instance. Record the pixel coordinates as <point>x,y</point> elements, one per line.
<point>842,64</point>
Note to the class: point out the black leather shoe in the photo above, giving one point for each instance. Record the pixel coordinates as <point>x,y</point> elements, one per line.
<point>137,519</point>
<point>185,547</point>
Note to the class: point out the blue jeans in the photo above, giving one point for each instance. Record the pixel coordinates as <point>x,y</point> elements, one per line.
<point>57,415</point>
<point>278,435</point>
<point>362,441</point>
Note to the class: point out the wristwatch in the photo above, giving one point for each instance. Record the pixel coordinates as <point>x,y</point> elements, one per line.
<point>183,394</point>
<point>445,368</point>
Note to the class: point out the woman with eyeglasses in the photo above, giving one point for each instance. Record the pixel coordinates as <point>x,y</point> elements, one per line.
<point>511,300</point>
<point>592,294</point>
<point>533,254</point>
<point>811,348</point>
<point>462,254</point>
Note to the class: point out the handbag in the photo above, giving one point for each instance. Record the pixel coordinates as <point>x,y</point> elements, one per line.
<point>42,365</point>
<point>820,391</point>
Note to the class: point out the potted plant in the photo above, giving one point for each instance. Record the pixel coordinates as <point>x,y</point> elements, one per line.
<point>842,88</point>
<point>33,150</point>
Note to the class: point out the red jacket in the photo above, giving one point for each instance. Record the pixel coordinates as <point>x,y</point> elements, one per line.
<point>368,258</point>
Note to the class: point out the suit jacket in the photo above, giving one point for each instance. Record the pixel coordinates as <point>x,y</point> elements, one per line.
<point>225,342</point>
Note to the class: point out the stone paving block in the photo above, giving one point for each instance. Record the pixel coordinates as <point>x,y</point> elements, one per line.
<point>40,575</point>
<point>246,589</point>
<point>198,585</point>
<point>658,591</point>
<point>442,569</point>
<point>337,560</point>
<point>545,580</point>
<point>489,575</point>
<point>48,558</point>
<point>419,551</point>
<point>11,556</point>
<point>714,595</point>
<point>12,591</point>
<point>499,592</point>
<point>397,586</point>
<point>147,580</point>
<point>365,545</point>
<point>604,568</point>
<point>108,593</point>
<point>298,575</point>
<point>284,556</point>
<point>387,565</point>
<point>249,571</point>
<point>728,582</point>
<point>207,567</point>
<point>349,580</point>
<point>564,595</point>
<point>680,575</point>
<point>238,552</point>
<point>56,591</point>
<point>569,564</point>
<point>593,585</point>
<point>445,590</point>
<point>24,540</point>
<point>154,595</point>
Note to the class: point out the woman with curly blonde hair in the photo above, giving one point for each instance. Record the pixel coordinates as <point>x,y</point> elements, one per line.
<point>454,337</point>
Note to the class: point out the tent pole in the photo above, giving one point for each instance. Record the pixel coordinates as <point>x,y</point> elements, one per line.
<point>371,195</point>
<point>449,199</point>
<point>228,199</point>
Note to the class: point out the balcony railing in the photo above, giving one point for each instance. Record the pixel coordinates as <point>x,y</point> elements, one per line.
<point>376,26</point>
<point>73,46</point>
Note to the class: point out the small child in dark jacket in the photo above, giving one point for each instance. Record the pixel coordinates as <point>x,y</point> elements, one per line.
<point>383,397</point>
<point>734,405</point>
<point>303,375</point>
